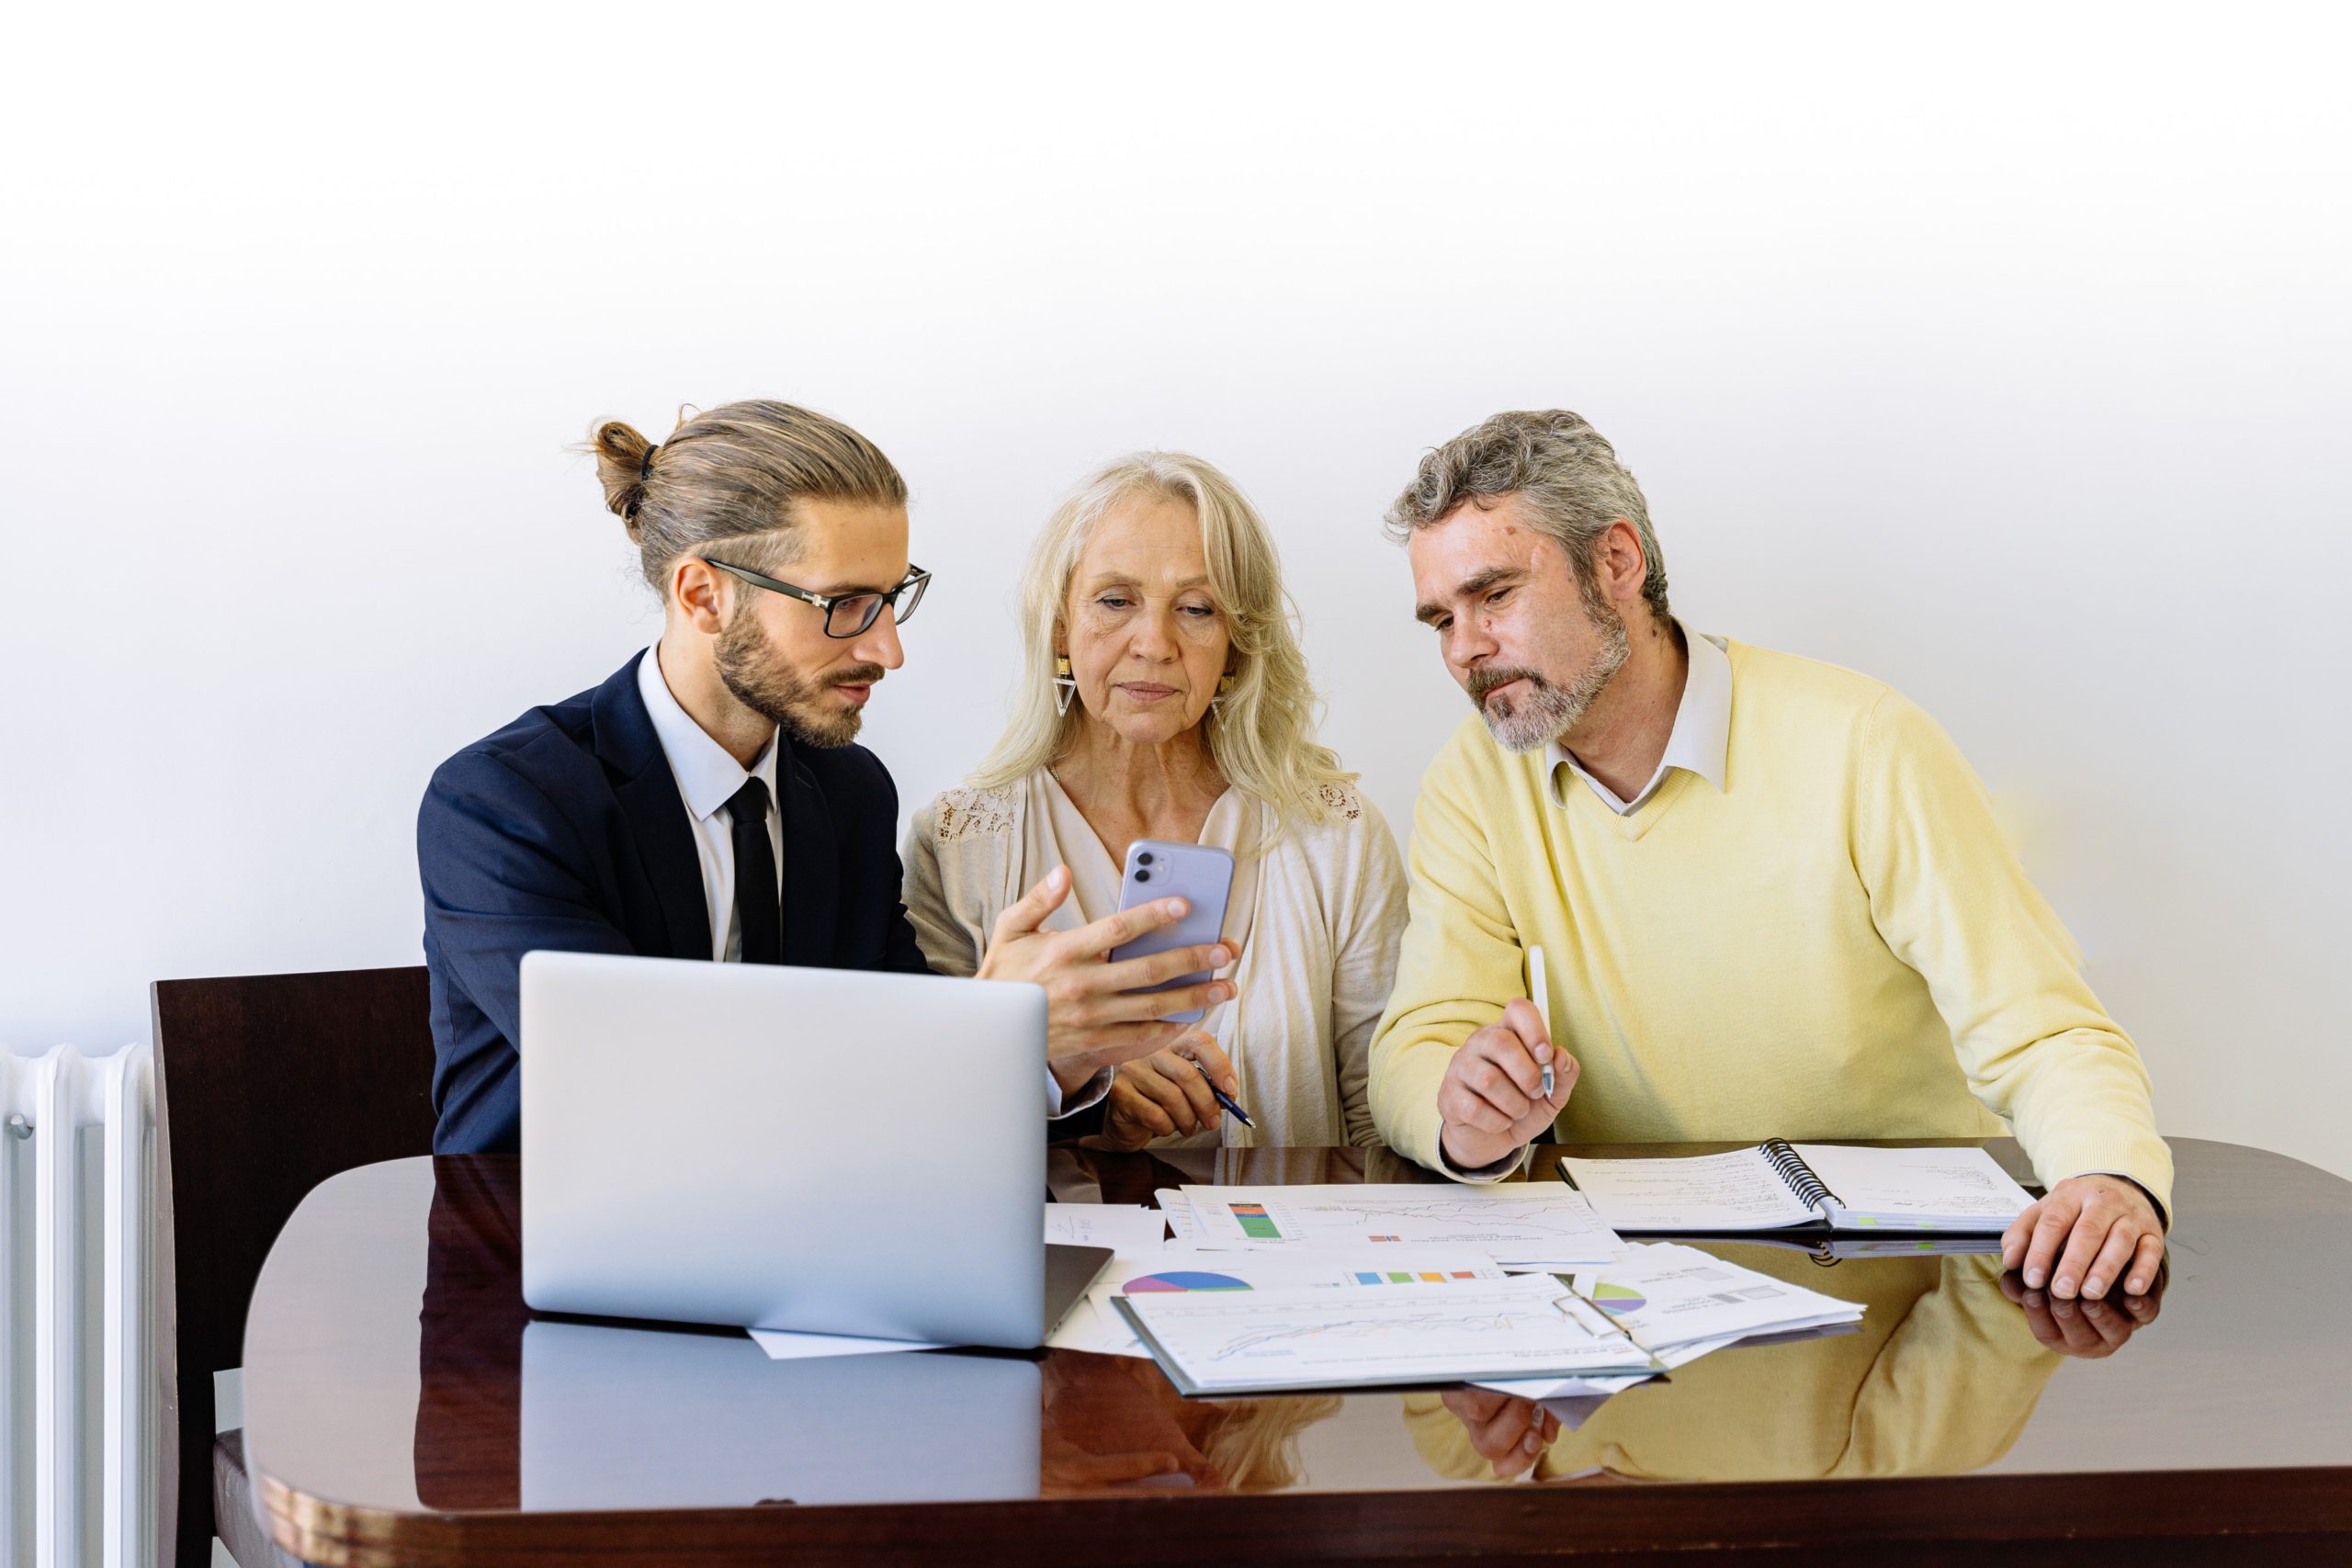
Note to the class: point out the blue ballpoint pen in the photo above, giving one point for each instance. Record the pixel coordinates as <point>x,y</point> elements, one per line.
<point>1227,1102</point>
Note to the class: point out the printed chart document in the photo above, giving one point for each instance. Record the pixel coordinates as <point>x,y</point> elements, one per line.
<point>1779,1185</point>
<point>1096,1324</point>
<point>1667,1296</point>
<point>1519,1225</point>
<point>1681,1303</point>
<point>1310,1336</point>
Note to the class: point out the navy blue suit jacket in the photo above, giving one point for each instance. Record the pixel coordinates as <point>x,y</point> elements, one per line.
<point>565,830</point>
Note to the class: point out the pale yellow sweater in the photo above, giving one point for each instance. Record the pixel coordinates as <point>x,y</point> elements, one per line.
<point>1838,944</point>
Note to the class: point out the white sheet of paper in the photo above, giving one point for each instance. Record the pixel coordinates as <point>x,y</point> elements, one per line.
<point>1089,1329</point>
<point>1920,1186</point>
<point>1573,1411</point>
<point>1684,1303</point>
<point>1121,1227</point>
<point>1733,1192</point>
<point>791,1345</point>
<point>1178,1208</point>
<point>1601,1388</point>
<point>1519,1225</point>
<point>1667,1295</point>
<point>1542,1389</point>
<point>1311,1335</point>
<point>1175,1268</point>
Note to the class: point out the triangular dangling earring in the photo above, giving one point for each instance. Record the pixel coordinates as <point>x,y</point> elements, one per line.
<point>1224,688</point>
<point>1065,684</point>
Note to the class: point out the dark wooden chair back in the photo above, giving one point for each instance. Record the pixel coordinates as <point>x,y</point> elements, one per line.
<point>265,1085</point>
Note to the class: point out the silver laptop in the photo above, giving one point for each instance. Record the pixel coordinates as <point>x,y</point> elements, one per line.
<point>776,1147</point>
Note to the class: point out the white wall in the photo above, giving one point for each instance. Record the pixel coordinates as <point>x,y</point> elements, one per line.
<point>2001,354</point>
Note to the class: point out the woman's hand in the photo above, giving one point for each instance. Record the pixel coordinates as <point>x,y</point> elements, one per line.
<point>1168,1093</point>
<point>1095,1013</point>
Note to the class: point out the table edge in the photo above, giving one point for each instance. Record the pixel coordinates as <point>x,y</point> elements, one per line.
<point>2083,1508</point>
<point>2265,1501</point>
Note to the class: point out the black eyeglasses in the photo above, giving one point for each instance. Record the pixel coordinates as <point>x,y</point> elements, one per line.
<point>846,615</point>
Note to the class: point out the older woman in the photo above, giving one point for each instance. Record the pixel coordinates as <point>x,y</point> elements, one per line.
<point>1166,698</point>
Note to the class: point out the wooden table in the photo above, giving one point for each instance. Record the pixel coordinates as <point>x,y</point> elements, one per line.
<point>402,1407</point>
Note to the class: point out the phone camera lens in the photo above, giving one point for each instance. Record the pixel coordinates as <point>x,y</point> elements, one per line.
<point>1143,876</point>
<point>1144,858</point>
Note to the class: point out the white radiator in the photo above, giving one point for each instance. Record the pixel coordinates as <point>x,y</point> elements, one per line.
<point>78,1369</point>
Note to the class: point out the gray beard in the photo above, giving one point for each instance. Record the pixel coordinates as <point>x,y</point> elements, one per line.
<point>751,668</point>
<point>1548,710</point>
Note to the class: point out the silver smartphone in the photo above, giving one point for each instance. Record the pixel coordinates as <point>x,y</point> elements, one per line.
<point>1202,876</point>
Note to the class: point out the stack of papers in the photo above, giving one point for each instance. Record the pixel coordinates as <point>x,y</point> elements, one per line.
<point>1681,1303</point>
<point>1268,1288</point>
<point>1305,1338</point>
<point>1518,1224</point>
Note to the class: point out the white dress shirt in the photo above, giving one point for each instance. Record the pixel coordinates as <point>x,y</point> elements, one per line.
<point>1702,735</point>
<point>709,775</point>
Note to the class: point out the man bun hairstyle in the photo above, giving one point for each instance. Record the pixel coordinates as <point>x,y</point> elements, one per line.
<point>730,478</point>
<point>1565,473</point>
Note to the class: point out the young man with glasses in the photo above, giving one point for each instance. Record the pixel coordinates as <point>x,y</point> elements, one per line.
<point>707,801</point>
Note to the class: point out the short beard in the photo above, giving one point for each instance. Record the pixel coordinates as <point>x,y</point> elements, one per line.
<point>1548,711</point>
<point>751,668</point>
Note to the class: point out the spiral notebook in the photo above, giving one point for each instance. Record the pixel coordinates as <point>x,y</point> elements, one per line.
<point>1784,1186</point>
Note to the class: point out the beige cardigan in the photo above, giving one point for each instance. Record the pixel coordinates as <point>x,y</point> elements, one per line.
<point>1316,909</point>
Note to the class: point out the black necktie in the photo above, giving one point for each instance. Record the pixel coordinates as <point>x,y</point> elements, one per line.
<point>759,913</point>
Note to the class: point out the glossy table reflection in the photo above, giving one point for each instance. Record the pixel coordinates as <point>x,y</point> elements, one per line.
<point>402,1407</point>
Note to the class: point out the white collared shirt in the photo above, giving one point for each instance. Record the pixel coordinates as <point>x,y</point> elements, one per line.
<point>1702,736</point>
<point>709,775</point>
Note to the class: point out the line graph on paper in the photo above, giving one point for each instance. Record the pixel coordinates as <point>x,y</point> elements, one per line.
<point>1433,1320</point>
<point>1433,1332</point>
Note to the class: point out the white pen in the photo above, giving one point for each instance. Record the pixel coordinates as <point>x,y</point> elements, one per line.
<point>1541,995</point>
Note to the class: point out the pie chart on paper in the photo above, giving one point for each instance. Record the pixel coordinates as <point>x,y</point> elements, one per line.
<point>1618,1300</point>
<point>1183,1279</point>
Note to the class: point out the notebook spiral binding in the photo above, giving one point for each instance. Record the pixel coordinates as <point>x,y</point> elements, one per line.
<point>1783,1158</point>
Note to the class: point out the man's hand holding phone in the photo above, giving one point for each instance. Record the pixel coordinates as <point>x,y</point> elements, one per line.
<point>1094,1016</point>
<point>1492,1099</point>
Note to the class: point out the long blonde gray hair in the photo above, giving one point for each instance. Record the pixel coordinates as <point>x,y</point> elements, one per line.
<point>1260,734</point>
